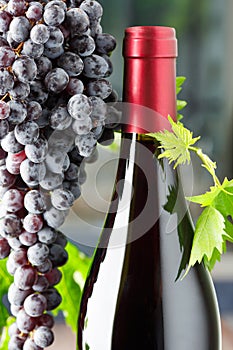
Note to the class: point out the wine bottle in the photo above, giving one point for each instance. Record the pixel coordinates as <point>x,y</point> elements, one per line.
<point>132,299</point>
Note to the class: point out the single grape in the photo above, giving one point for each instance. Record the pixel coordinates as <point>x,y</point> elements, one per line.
<point>95,66</point>
<point>83,45</point>
<point>38,92</point>
<point>61,239</point>
<point>16,259</point>
<point>27,132</point>
<point>60,119</point>
<point>82,127</point>
<point>20,91</point>
<point>77,20</point>
<point>71,63</point>
<point>34,11</point>
<point>62,199</point>
<point>31,49</point>
<point>105,43</point>
<point>54,15</point>
<point>16,342</point>
<point>18,112</point>
<point>45,267</point>
<point>34,110</point>
<point>79,106</point>
<point>7,56</point>
<point>10,144</point>
<point>4,128</point>
<point>11,225</point>
<point>17,296</point>
<point>46,320</point>
<point>14,243</point>
<point>58,255</point>
<point>86,144</point>
<point>59,3</point>
<point>75,86</point>
<point>30,345</point>
<point>35,305</point>
<point>20,29</point>
<point>56,37</point>
<point>13,162</point>
<point>34,202</point>
<point>40,34</point>
<point>47,235</point>
<point>56,80</point>
<point>33,223</point>
<point>72,172</point>
<point>44,65</point>
<point>6,179</point>
<point>13,200</point>
<point>28,238</point>
<point>37,151</point>
<point>92,8</point>
<point>25,277</point>
<point>41,285</point>
<point>6,81</point>
<point>14,311</point>
<point>43,336</point>
<point>53,277</point>
<point>38,253</point>
<point>32,173</point>
<point>99,109</point>
<point>99,87</point>
<point>51,180</point>
<point>53,52</point>
<point>17,7</point>
<point>55,218</point>
<point>4,248</point>
<point>25,69</point>
<point>5,20</point>
<point>4,110</point>
<point>74,187</point>
<point>25,323</point>
<point>53,298</point>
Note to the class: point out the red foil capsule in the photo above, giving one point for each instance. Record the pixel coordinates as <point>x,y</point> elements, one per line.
<point>149,78</point>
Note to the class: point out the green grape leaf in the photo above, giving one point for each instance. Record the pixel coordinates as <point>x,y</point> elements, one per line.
<point>74,274</point>
<point>180,104</point>
<point>5,282</point>
<point>176,144</point>
<point>208,236</point>
<point>207,198</point>
<point>179,82</point>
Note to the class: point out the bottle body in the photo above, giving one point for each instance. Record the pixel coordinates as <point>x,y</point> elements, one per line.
<point>131,299</point>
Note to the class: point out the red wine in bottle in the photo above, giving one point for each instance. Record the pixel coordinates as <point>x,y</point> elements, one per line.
<point>131,299</point>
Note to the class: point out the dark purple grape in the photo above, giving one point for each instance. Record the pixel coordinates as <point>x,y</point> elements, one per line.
<point>4,248</point>
<point>6,81</point>
<point>86,144</point>
<point>13,200</point>
<point>20,29</point>
<point>17,296</point>
<point>6,179</point>
<point>99,87</point>
<point>4,128</point>
<point>44,65</point>
<point>54,15</point>
<point>77,21</point>
<point>45,267</point>
<point>5,20</point>
<point>55,218</point>
<point>53,298</point>
<point>92,8</point>
<point>26,132</point>
<point>34,11</point>
<point>35,304</point>
<point>83,45</point>
<point>37,151</point>
<point>34,110</point>
<point>28,238</point>
<point>11,226</point>
<point>53,277</point>
<point>43,336</point>
<point>41,285</point>
<point>61,239</point>
<point>38,92</point>
<point>60,119</point>
<point>18,112</point>
<point>33,223</point>
<point>79,106</point>
<point>40,34</point>
<point>38,253</point>
<point>20,91</point>
<point>30,345</point>
<point>56,80</point>
<point>71,63</point>
<point>31,49</point>
<point>16,342</point>
<point>62,199</point>
<point>75,86</point>
<point>34,202</point>
<point>46,320</point>
<point>25,69</point>
<point>72,173</point>
<point>56,37</point>
<point>95,66</point>
<point>105,43</point>
<point>47,235</point>
<point>25,323</point>
<point>58,255</point>
<point>25,276</point>
<point>4,110</point>
<point>17,7</point>
<point>7,56</point>
<point>32,173</point>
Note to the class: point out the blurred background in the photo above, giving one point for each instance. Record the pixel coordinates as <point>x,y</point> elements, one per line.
<point>205,39</point>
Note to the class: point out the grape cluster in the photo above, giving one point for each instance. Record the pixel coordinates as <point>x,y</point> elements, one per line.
<point>54,95</point>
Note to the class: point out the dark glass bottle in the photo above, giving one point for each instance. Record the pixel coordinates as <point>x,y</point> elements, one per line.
<point>131,299</point>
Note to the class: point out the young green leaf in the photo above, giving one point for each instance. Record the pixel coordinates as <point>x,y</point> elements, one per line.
<point>208,236</point>
<point>176,144</point>
<point>179,82</point>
